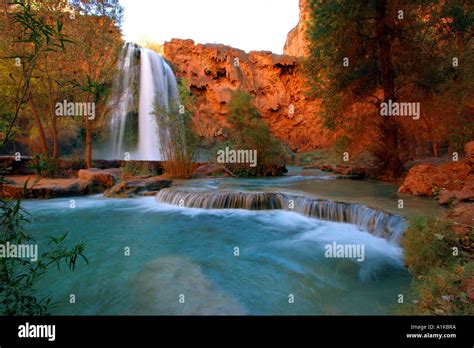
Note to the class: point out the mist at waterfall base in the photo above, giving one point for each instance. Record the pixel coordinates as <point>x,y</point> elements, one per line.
<point>178,250</point>
<point>144,81</point>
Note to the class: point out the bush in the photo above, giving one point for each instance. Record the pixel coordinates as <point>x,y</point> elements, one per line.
<point>429,243</point>
<point>138,168</point>
<point>44,166</point>
<point>439,262</point>
<point>442,291</point>
<point>249,132</point>
<point>177,139</point>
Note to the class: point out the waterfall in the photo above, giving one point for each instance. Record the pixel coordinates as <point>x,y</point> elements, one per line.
<point>144,79</point>
<point>376,222</point>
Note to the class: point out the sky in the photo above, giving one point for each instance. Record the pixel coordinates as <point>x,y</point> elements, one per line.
<point>260,25</point>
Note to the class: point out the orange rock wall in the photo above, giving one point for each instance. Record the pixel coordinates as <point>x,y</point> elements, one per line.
<point>296,43</point>
<point>277,82</point>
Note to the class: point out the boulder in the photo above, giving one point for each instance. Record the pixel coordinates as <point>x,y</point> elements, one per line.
<point>429,180</point>
<point>45,188</point>
<point>138,186</point>
<point>101,179</point>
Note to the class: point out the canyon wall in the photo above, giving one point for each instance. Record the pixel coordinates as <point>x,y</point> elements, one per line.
<point>296,43</point>
<point>277,82</point>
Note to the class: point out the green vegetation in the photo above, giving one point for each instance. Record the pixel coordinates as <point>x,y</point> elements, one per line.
<point>438,258</point>
<point>365,53</point>
<point>136,168</point>
<point>53,51</point>
<point>177,139</point>
<point>248,131</point>
<point>18,277</point>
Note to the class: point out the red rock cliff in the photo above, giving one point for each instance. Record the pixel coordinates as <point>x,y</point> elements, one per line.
<point>296,44</point>
<point>276,81</point>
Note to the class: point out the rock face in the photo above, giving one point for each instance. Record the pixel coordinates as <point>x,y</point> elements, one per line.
<point>277,82</point>
<point>296,43</point>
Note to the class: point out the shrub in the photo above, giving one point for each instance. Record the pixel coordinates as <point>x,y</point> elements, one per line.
<point>249,132</point>
<point>177,137</point>
<point>442,273</point>
<point>44,166</point>
<point>429,243</point>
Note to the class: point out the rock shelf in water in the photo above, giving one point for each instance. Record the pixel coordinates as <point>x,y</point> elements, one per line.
<point>376,222</point>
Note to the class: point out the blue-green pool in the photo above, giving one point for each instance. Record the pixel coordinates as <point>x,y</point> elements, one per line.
<point>186,261</point>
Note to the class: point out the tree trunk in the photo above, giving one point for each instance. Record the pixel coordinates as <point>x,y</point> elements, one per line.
<point>54,128</point>
<point>88,141</point>
<point>388,155</point>
<point>43,142</point>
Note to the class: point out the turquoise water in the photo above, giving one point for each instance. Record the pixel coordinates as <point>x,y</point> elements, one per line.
<point>180,251</point>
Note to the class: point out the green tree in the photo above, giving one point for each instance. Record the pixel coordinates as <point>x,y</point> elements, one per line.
<point>248,131</point>
<point>369,52</point>
<point>19,277</point>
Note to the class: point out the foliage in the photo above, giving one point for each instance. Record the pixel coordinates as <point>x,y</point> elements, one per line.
<point>76,63</point>
<point>248,131</point>
<point>178,139</point>
<point>34,37</point>
<point>137,168</point>
<point>438,258</point>
<point>43,166</point>
<point>403,57</point>
<point>428,243</point>
<point>18,277</point>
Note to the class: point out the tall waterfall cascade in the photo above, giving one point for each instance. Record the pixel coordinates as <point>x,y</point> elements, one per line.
<point>144,82</point>
<point>376,222</point>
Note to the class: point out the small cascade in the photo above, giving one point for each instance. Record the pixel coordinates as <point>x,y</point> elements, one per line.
<point>145,80</point>
<point>378,223</point>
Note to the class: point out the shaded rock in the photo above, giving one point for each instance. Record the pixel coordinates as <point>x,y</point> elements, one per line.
<point>46,188</point>
<point>15,167</point>
<point>211,169</point>
<point>466,193</point>
<point>101,179</point>
<point>347,170</point>
<point>462,216</point>
<point>116,172</point>
<point>469,149</point>
<point>138,186</point>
